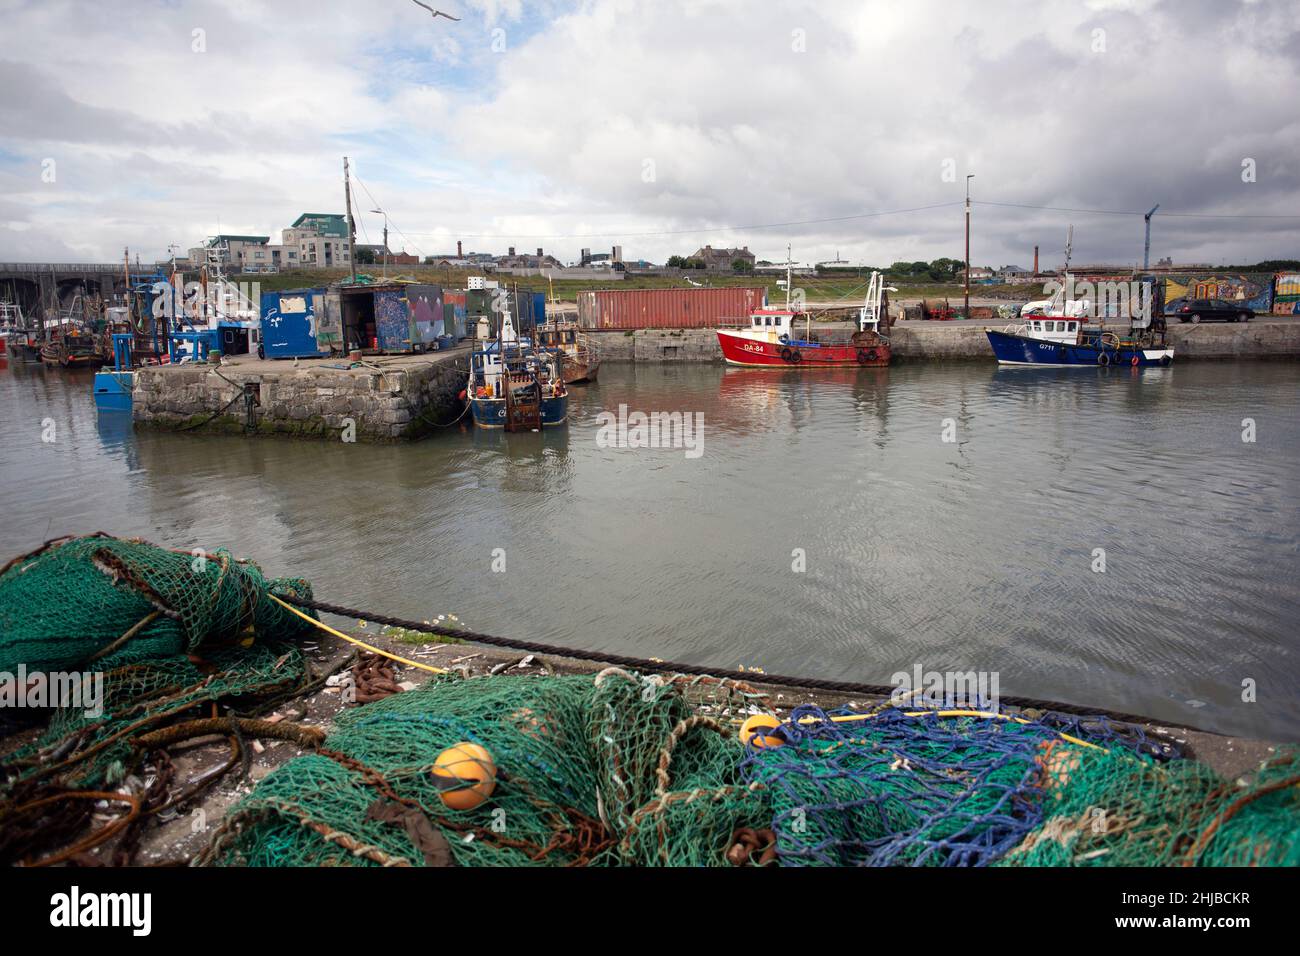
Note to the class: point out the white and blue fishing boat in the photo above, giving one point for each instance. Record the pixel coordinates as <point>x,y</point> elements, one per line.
<point>1060,331</point>
<point>1063,341</point>
<point>515,386</point>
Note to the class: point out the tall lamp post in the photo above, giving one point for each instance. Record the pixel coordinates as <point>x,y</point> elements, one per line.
<point>385,215</point>
<point>966,312</point>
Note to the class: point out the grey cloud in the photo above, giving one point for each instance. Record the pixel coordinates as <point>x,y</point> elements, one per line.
<point>741,128</point>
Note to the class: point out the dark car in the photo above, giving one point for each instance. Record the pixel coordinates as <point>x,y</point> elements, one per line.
<point>1203,310</point>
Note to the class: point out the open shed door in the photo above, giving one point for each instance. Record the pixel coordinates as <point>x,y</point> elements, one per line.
<point>328,307</point>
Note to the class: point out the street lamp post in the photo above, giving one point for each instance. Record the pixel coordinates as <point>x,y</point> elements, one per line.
<point>385,215</point>
<point>966,311</point>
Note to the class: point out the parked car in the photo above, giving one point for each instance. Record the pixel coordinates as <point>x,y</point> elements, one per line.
<point>1204,310</point>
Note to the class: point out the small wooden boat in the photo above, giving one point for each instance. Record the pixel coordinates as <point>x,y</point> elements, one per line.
<point>71,347</point>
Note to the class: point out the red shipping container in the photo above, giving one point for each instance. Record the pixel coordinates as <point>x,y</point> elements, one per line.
<point>668,308</point>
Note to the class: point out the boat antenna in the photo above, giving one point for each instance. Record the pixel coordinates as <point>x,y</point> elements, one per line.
<point>788,267</point>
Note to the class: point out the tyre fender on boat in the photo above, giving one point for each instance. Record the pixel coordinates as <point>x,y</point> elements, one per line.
<point>1165,360</point>
<point>1103,358</point>
<point>795,357</point>
<point>867,355</point>
<point>785,355</point>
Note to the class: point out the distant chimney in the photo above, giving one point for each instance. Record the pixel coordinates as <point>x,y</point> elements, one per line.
<point>512,250</point>
<point>1035,260</point>
<point>539,252</point>
<point>459,254</point>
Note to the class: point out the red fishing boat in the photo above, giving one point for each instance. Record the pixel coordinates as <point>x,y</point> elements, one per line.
<point>772,337</point>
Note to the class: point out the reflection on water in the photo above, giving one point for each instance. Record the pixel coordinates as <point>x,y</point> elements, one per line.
<point>970,554</point>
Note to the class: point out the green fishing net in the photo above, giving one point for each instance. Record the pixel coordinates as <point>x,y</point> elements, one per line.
<point>1112,808</point>
<point>150,634</point>
<point>66,605</point>
<point>615,769</point>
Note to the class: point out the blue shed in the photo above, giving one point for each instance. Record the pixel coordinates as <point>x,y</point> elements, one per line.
<point>289,323</point>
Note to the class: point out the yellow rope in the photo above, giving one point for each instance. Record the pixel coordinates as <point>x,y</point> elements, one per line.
<point>960,713</point>
<point>352,640</point>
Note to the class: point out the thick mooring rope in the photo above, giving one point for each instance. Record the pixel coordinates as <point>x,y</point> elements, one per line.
<point>678,667</point>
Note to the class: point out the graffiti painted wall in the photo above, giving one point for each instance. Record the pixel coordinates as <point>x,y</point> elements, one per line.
<point>1286,293</point>
<point>392,322</point>
<point>1251,290</point>
<point>425,303</point>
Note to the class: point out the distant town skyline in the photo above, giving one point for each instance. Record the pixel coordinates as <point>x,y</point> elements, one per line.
<point>659,127</point>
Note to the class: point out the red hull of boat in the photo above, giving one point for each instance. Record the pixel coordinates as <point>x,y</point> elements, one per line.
<point>738,350</point>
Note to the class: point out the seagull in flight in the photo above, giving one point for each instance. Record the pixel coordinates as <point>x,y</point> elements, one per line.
<point>435,13</point>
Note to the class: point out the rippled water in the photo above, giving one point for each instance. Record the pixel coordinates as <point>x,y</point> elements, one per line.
<point>974,554</point>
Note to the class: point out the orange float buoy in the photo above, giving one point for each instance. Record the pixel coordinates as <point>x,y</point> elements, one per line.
<point>757,731</point>
<point>465,776</point>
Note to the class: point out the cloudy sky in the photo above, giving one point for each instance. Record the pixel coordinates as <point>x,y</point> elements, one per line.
<point>838,127</point>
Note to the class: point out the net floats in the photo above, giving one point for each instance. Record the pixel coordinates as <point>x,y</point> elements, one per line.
<point>761,731</point>
<point>465,776</point>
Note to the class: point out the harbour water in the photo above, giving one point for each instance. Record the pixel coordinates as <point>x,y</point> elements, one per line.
<point>979,553</point>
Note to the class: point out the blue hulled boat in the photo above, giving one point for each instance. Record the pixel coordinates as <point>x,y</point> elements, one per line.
<point>1065,342</point>
<point>514,386</point>
<point>1058,331</point>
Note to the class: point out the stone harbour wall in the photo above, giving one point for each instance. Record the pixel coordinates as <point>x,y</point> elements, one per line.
<point>400,402</point>
<point>947,341</point>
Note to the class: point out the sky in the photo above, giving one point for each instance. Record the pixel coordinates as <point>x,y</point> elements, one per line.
<point>841,129</point>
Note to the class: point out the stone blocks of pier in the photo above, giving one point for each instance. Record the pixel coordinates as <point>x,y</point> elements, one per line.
<point>403,401</point>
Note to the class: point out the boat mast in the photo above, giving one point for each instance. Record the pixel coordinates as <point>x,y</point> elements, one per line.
<point>788,267</point>
<point>1067,285</point>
